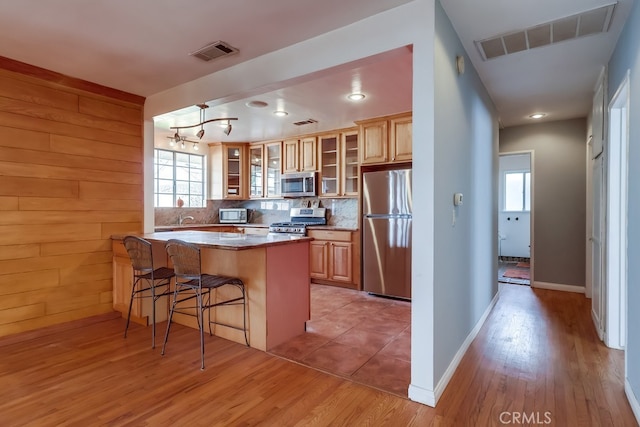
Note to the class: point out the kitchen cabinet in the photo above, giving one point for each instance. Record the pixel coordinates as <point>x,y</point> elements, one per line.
<point>256,171</point>
<point>349,162</point>
<point>386,140</point>
<point>339,164</point>
<point>401,139</point>
<point>334,258</point>
<point>273,168</point>
<point>299,155</point>
<point>227,179</point>
<point>308,154</point>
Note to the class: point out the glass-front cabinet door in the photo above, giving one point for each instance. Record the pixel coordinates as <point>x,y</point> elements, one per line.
<point>273,168</point>
<point>233,157</point>
<point>256,170</point>
<point>329,165</point>
<point>350,163</point>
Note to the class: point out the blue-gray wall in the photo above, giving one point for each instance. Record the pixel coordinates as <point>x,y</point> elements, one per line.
<point>466,154</point>
<point>627,57</point>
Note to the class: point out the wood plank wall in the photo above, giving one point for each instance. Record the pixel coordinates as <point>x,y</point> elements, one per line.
<point>70,176</point>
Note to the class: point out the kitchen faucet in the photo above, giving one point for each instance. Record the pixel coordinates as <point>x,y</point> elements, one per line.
<point>182,218</point>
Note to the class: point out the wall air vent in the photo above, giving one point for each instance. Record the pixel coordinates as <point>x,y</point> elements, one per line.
<point>305,122</point>
<point>214,50</point>
<point>593,21</point>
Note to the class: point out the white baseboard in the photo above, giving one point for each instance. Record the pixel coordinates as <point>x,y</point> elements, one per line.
<point>633,401</point>
<point>446,377</point>
<point>422,395</point>
<point>558,287</point>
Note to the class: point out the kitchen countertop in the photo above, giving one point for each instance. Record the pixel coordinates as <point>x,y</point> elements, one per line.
<point>248,225</point>
<point>227,241</point>
<point>195,225</point>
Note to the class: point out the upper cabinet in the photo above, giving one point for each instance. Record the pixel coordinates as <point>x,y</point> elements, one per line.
<point>386,139</point>
<point>308,154</point>
<point>349,159</point>
<point>227,179</point>
<point>273,168</point>
<point>338,164</point>
<point>256,171</point>
<point>299,155</point>
<point>291,157</point>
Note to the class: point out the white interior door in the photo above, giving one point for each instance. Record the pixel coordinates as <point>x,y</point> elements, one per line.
<point>616,247</point>
<point>597,239</point>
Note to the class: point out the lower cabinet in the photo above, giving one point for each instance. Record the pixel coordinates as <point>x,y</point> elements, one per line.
<point>334,259</point>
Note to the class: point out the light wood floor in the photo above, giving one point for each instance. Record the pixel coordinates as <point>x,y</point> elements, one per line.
<point>537,353</point>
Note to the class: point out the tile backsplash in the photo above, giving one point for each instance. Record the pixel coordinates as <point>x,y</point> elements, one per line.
<point>340,212</point>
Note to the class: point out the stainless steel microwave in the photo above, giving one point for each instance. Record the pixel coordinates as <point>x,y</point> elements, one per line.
<point>232,215</point>
<point>298,184</point>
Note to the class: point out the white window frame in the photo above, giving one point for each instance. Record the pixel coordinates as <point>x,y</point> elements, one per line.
<point>187,200</point>
<point>523,172</point>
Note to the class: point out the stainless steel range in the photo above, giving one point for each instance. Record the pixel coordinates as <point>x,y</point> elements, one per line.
<point>300,219</point>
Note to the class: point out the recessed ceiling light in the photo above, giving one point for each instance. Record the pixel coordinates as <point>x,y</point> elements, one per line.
<point>537,116</point>
<point>280,113</point>
<point>356,96</point>
<point>256,104</point>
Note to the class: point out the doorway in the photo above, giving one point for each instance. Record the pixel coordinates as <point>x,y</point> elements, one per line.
<point>514,218</point>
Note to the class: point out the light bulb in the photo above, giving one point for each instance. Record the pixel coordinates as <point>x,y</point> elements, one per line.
<point>195,147</point>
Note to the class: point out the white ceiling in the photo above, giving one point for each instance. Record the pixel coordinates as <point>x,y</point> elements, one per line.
<point>142,47</point>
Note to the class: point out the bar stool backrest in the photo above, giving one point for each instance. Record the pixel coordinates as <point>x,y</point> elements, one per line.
<point>185,258</point>
<point>139,251</point>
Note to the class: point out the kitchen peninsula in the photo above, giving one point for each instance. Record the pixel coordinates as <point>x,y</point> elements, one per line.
<point>275,270</point>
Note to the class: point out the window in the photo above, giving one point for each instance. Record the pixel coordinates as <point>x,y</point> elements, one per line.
<point>517,191</point>
<point>178,175</point>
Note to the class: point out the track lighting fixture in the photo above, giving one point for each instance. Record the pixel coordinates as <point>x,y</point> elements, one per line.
<point>200,134</point>
<point>183,140</point>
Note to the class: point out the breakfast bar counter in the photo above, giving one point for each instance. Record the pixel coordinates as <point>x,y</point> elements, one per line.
<point>275,270</point>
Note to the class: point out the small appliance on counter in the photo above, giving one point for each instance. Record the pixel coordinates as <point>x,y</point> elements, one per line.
<point>300,219</point>
<point>232,215</point>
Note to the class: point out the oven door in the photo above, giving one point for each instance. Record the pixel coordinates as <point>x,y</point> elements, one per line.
<point>301,184</point>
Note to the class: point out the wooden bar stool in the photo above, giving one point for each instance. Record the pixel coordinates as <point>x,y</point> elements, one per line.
<point>148,282</point>
<point>193,284</point>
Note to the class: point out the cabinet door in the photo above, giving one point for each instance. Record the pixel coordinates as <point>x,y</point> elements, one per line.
<point>349,161</point>
<point>122,282</point>
<point>401,139</point>
<point>273,168</point>
<point>341,261</point>
<point>233,157</point>
<point>329,165</point>
<point>319,259</point>
<point>374,141</point>
<point>308,152</point>
<point>291,157</point>
<point>256,164</point>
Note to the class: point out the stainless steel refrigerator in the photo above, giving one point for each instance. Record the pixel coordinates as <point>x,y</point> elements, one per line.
<point>386,236</point>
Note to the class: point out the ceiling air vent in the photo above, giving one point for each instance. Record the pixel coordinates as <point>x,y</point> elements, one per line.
<point>571,27</point>
<point>305,122</point>
<point>214,50</point>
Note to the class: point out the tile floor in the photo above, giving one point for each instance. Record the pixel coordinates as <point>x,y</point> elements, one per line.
<point>357,336</point>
